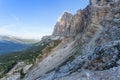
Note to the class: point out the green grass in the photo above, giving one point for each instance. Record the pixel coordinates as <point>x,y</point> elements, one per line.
<point>46,51</point>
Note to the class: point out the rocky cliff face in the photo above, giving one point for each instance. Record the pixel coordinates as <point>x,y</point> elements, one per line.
<point>94,49</point>
<point>62,25</point>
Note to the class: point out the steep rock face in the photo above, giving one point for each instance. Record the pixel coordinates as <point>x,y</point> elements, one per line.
<point>101,27</point>
<point>95,46</point>
<point>78,23</point>
<point>62,25</point>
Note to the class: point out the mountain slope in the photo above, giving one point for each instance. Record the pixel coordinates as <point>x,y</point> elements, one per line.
<point>27,56</point>
<point>62,25</point>
<point>18,40</point>
<point>9,44</point>
<point>8,47</point>
<point>92,43</point>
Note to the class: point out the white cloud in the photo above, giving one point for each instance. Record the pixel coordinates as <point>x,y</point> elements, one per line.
<point>21,32</point>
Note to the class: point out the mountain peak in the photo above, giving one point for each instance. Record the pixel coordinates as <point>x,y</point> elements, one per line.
<point>61,27</point>
<point>63,16</point>
<point>66,12</point>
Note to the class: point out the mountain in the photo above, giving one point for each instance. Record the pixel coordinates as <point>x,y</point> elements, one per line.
<point>18,40</point>
<point>22,61</point>
<point>90,49</point>
<point>62,25</point>
<point>8,47</point>
<point>10,44</point>
<point>89,46</point>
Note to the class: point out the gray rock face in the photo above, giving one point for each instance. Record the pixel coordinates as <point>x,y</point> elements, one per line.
<point>104,57</point>
<point>78,23</point>
<point>96,44</point>
<point>15,76</point>
<point>110,74</point>
<point>62,25</point>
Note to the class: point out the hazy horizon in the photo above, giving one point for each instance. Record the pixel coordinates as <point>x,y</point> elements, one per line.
<point>33,19</point>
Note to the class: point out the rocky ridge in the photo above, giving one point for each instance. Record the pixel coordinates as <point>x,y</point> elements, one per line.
<point>90,48</point>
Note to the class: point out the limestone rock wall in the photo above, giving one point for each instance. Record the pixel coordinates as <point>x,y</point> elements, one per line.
<point>95,29</point>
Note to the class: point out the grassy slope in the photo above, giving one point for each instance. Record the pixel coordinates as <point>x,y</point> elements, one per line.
<point>9,60</point>
<point>39,51</point>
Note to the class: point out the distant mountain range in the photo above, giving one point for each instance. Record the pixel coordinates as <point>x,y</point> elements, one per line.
<point>10,44</point>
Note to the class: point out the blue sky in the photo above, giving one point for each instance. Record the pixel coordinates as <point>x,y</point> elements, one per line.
<point>34,18</point>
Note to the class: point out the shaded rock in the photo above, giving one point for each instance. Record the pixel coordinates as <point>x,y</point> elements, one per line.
<point>110,74</point>
<point>105,56</point>
<point>118,62</point>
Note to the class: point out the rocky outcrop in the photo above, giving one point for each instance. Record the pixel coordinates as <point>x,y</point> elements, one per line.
<point>110,74</point>
<point>18,71</point>
<point>15,76</point>
<point>78,23</point>
<point>62,25</point>
<point>105,57</point>
<point>94,49</point>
